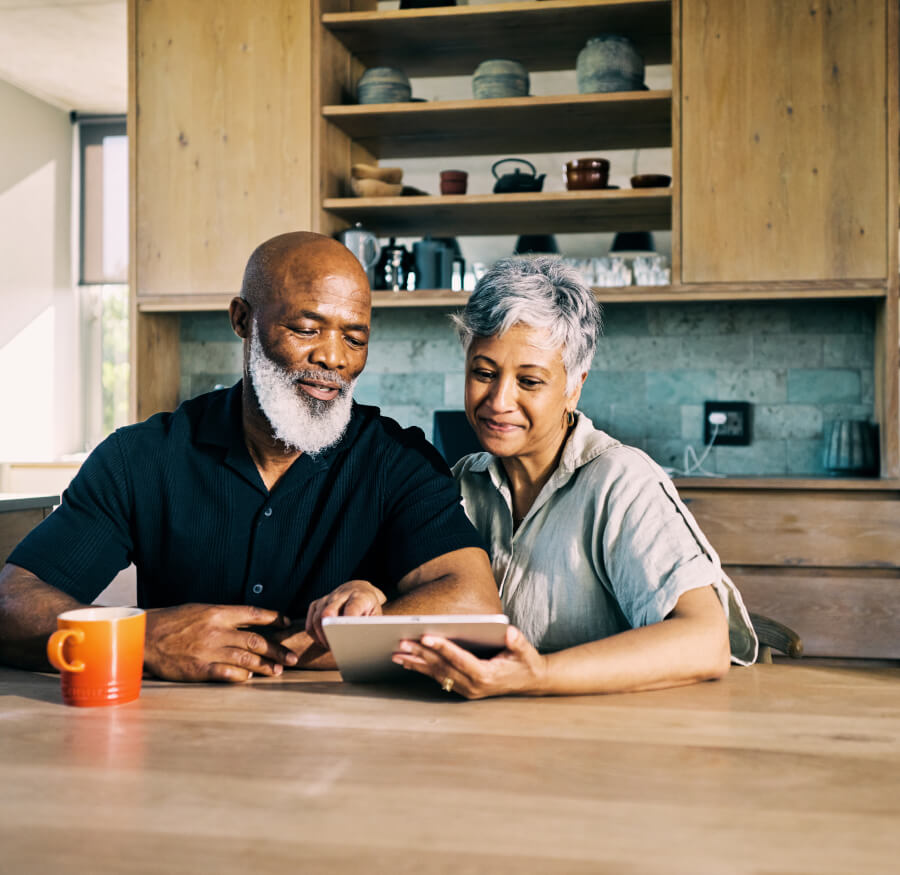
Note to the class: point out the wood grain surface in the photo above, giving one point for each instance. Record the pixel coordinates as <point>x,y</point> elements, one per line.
<point>784,140</point>
<point>782,768</point>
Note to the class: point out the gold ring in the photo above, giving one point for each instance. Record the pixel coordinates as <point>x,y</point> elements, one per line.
<point>447,685</point>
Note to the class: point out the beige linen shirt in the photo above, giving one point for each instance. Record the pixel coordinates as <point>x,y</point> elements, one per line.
<point>607,545</point>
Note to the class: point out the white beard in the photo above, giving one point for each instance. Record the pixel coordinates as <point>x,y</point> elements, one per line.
<point>302,423</point>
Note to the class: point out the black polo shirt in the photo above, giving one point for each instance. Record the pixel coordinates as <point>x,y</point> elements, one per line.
<point>180,497</point>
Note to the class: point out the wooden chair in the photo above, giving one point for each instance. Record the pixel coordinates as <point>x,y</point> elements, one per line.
<point>775,636</point>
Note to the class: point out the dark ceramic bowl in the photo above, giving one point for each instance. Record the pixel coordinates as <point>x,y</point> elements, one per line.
<point>586,173</point>
<point>651,180</point>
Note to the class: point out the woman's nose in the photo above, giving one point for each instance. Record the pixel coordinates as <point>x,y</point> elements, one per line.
<point>502,395</point>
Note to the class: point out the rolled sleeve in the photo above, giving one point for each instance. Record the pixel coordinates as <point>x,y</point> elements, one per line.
<point>652,553</point>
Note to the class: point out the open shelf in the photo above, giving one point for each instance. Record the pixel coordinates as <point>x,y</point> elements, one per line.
<point>648,209</point>
<point>628,294</point>
<point>454,40</point>
<point>565,123</point>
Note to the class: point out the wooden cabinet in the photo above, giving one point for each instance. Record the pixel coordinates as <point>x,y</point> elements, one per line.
<point>785,142</point>
<point>221,129</point>
<point>822,557</point>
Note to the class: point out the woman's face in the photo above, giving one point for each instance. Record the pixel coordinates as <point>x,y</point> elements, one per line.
<point>516,393</point>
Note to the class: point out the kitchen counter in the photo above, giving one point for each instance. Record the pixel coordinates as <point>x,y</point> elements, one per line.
<point>19,514</point>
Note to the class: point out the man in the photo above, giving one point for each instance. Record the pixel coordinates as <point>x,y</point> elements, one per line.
<point>276,497</point>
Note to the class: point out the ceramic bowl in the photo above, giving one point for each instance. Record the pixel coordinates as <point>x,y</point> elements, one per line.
<point>383,85</point>
<point>609,62</point>
<point>500,78</point>
<point>586,173</point>
<point>651,180</point>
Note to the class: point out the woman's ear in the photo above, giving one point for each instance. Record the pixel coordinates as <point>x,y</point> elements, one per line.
<point>576,392</point>
<point>241,317</point>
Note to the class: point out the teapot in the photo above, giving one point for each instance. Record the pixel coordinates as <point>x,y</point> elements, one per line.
<point>364,245</point>
<point>517,181</point>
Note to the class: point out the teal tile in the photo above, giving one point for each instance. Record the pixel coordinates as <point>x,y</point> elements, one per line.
<point>786,421</point>
<point>830,317</point>
<point>804,458</point>
<point>753,385</point>
<point>613,387</point>
<point>787,351</point>
<point>625,320</point>
<point>368,388</point>
<point>848,350</point>
<point>205,327</point>
<point>761,458</point>
<point>680,386</point>
<point>821,385</point>
<point>426,390</point>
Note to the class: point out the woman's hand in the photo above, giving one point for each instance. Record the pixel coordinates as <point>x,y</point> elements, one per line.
<point>518,669</point>
<point>355,598</point>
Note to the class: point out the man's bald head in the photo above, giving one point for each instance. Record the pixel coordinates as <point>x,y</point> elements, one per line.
<point>294,261</point>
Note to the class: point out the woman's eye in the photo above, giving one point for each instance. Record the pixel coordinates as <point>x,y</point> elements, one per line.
<point>480,374</point>
<point>530,382</point>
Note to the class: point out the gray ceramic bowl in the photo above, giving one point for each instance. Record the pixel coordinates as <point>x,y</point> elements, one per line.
<point>383,85</point>
<point>609,62</point>
<point>500,77</point>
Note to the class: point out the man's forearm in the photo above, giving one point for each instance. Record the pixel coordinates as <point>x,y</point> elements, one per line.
<point>28,611</point>
<point>457,583</point>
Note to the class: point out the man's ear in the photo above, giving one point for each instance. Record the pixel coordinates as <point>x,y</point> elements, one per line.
<point>241,317</point>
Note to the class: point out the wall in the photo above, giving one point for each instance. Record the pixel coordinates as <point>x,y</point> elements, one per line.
<point>799,364</point>
<point>39,331</point>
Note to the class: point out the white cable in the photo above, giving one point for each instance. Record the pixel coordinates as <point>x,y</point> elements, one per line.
<point>696,467</point>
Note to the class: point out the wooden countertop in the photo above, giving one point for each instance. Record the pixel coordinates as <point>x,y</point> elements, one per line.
<point>787,767</point>
<point>10,501</point>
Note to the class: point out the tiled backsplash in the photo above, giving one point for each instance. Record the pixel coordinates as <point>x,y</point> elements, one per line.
<point>799,364</point>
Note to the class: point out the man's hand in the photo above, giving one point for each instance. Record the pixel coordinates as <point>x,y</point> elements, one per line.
<point>355,598</point>
<point>210,643</point>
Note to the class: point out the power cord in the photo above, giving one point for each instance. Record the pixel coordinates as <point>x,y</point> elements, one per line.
<point>693,465</point>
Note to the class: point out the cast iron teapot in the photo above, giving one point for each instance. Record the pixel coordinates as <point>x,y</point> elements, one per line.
<point>518,181</point>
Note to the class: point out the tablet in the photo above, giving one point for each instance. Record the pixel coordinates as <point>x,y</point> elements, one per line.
<point>362,646</point>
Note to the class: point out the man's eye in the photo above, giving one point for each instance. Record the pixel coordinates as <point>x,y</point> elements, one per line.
<point>304,332</point>
<point>356,342</point>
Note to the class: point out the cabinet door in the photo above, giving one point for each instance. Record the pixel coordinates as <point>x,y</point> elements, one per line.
<point>222,136</point>
<point>784,140</point>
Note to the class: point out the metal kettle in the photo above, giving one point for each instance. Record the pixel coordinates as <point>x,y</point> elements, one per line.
<point>517,181</point>
<point>364,245</point>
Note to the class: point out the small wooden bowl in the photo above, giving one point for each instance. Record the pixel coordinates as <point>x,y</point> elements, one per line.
<point>586,173</point>
<point>375,188</point>
<point>651,180</point>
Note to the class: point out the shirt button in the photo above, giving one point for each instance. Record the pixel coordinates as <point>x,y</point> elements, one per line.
<point>257,588</point>
<point>267,511</point>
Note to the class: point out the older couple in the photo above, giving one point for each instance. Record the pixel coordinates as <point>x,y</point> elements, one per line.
<point>280,497</point>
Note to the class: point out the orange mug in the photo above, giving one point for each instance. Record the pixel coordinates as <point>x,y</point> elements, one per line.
<point>100,655</point>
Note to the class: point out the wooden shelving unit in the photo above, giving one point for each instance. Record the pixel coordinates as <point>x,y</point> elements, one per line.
<point>543,36</point>
<point>522,213</point>
<point>622,120</point>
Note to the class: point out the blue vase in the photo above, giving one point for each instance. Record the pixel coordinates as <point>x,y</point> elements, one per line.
<point>500,78</point>
<point>609,62</point>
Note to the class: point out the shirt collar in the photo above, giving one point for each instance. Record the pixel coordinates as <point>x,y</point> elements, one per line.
<point>584,444</point>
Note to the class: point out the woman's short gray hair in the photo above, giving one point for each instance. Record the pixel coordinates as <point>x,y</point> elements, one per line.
<point>541,292</point>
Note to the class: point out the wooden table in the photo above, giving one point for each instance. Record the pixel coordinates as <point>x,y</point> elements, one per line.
<point>781,768</point>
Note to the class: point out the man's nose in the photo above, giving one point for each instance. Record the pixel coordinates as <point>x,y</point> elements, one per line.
<point>329,352</point>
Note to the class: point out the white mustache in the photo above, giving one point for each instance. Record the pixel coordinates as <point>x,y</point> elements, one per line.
<point>322,376</point>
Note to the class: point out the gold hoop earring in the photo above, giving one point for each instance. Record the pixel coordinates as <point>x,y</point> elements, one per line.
<point>570,418</point>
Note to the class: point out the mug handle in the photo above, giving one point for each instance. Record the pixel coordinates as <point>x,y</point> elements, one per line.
<point>55,649</point>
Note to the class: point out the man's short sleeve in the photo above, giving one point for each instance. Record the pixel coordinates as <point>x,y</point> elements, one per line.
<point>87,540</point>
<point>423,515</point>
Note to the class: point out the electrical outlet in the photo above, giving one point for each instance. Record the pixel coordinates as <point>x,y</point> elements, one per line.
<point>735,431</point>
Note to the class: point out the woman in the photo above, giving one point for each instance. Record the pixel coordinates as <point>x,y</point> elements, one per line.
<point>608,582</point>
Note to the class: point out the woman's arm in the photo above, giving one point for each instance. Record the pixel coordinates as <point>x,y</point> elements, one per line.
<point>690,645</point>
